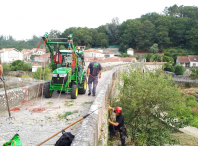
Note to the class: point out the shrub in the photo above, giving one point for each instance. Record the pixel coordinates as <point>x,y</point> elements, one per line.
<point>193,74</point>
<point>17,65</point>
<point>27,66</point>
<point>168,59</point>
<point>191,103</point>
<point>154,49</point>
<point>6,68</point>
<point>168,67</point>
<point>179,70</point>
<point>143,93</point>
<point>39,71</point>
<point>190,97</point>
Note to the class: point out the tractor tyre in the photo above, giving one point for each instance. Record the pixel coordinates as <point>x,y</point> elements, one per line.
<point>74,91</point>
<point>84,85</point>
<point>46,91</point>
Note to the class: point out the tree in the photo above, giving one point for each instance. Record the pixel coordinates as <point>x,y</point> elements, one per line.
<point>168,67</point>
<point>62,47</point>
<point>179,70</point>
<point>111,29</point>
<point>154,49</point>
<point>145,35</point>
<point>39,71</point>
<point>100,37</point>
<point>54,34</point>
<point>6,68</point>
<point>104,43</point>
<point>148,96</point>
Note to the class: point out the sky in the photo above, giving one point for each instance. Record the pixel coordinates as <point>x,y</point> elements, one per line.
<point>24,18</point>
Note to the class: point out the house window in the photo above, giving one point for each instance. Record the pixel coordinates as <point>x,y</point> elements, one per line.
<point>194,64</point>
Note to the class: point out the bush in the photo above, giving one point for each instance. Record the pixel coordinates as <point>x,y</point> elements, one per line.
<point>168,67</point>
<point>39,71</point>
<point>193,74</point>
<point>179,70</point>
<point>17,65</point>
<point>191,103</point>
<point>27,66</point>
<point>6,68</point>
<point>190,97</point>
<point>168,59</point>
<point>143,93</point>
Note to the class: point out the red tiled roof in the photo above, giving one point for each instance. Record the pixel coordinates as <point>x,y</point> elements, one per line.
<point>130,49</point>
<point>26,50</point>
<point>155,63</point>
<point>36,65</point>
<point>7,49</point>
<point>39,49</point>
<point>193,58</point>
<point>183,59</point>
<point>92,50</point>
<point>26,53</point>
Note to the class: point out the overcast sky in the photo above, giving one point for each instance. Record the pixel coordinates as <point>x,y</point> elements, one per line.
<point>24,18</point>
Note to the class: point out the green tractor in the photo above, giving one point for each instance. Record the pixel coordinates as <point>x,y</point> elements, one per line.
<point>68,72</point>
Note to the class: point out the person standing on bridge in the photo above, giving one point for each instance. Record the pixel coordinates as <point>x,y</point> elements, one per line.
<point>93,70</point>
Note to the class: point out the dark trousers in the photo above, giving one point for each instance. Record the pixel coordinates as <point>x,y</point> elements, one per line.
<point>112,133</point>
<point>95,83</point>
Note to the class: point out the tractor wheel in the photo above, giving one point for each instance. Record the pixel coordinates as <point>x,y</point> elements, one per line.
<point>74,91</point>
<point>46,91</point>
<point>61,92</point>
<point>84,85</point>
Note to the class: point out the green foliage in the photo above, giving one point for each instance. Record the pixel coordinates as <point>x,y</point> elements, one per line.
<point>101,37</point>
<point>190,97</point>
<point>179,70</point>
<point>154,49</point>
<point>168,59</point>
<point>194,72</point>
<point>62,47</point>
<point>6,68</point>
<point>17,65</point>
<point>153,58</point>
<point>27,67</point>
<point>39,71</point>
<point>168,67</point>
<point>25,76</point>
<point>125,55</point>
<point>191,103</point>
<point>147,96</point>
<point>104,43</point>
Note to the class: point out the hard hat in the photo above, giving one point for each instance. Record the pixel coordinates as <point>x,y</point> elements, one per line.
<point>118,110</point>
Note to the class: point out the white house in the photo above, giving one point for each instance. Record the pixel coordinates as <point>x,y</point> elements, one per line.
<point>188,61</point>
<point>193,60</point>
<point>183,60</point>
<point>93,53</point>
<point>37,51</point>
<point>10,54</point>
<point>35,67</point>
<point>130,51</point>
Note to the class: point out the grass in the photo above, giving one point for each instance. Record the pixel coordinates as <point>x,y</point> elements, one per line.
<point>85,103</point>
<point>64,116</point>
<point>49,102</point>
<point>69,103</point>
<point>185,139</point>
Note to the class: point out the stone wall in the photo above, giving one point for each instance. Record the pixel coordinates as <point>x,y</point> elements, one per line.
<point>182,80</point>
<point>94,129</point>
<point>16,96</point>
<point>19,73</point>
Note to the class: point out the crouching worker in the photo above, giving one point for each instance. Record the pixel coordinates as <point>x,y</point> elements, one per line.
<point>119,125</point>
